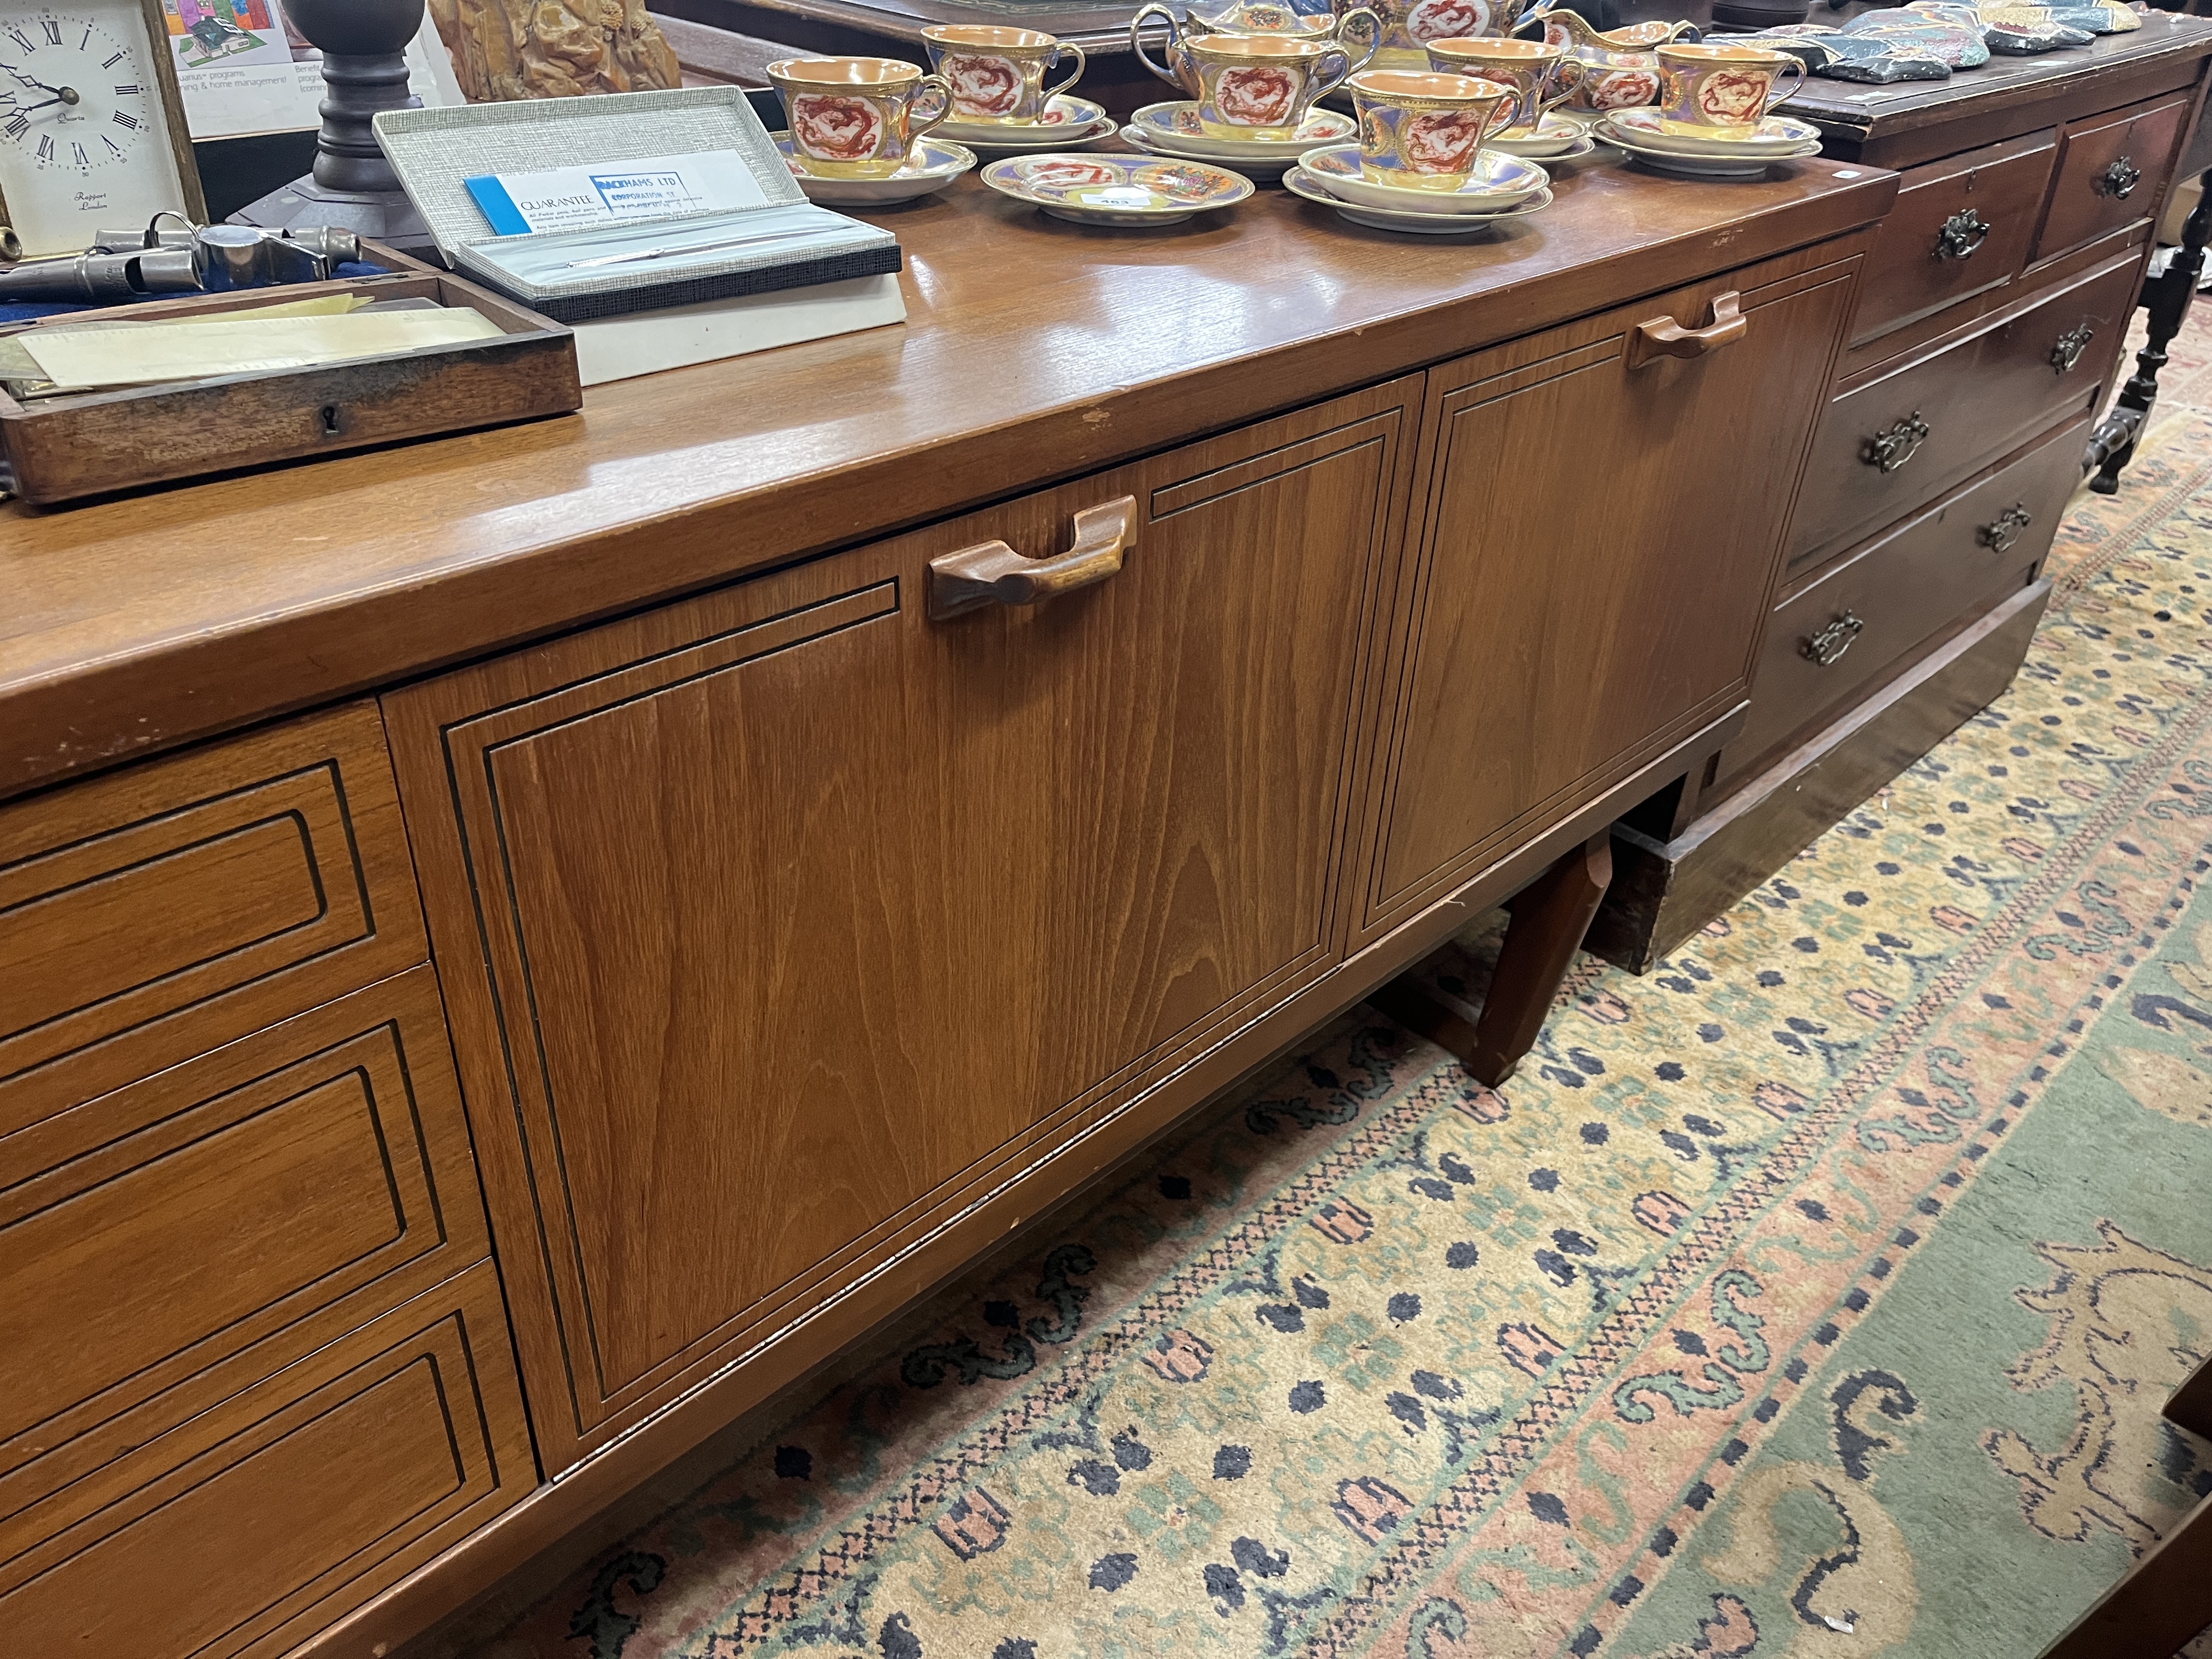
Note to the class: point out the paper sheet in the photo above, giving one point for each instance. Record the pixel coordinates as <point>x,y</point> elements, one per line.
<point>79,360</point>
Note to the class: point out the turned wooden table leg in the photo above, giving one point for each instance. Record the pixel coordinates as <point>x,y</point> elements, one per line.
<point>1550,916</point>
<point>2167,297</point>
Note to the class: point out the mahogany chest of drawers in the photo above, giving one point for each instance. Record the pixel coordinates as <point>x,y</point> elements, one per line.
<point>1987,329</point>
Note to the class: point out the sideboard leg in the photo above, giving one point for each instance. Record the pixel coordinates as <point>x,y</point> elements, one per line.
<point>1550,916</point>
<point>2167,296</point>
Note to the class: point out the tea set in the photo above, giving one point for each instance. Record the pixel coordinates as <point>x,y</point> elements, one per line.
<point>1457,103</point>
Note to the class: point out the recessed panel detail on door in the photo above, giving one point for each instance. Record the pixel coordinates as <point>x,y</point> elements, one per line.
<point>797,910</point>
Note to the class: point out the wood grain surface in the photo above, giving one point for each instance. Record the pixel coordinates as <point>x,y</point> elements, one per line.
<point>188,1236</point>
<point>1553,637</point>
<point>154,915</point>
<point>1035,350</point>
<point>798,868</point>
<point>294,1501</point>
<point>1978,396</point>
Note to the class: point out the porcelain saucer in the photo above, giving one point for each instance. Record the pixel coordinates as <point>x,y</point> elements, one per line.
<point>1268,170</point>
<point>1173,129</point>
<point>1699,167</point>
<point>1556,138</point>
<point>1775,136</point>
<point>1065,121</point>
<point>1299,182</point>
<point>1498,182</point>
<point>935,164</point>
<point>1129,190</point>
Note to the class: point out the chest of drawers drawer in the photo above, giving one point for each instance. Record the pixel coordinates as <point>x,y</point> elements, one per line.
<point>1961,225</point>
<point>1895,442</point>
<point>2111,171</point>
<point>163,912</point>
<point>1866,616</point>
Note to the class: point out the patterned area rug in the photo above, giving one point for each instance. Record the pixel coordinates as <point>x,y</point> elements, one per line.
<point>1815,1294</point>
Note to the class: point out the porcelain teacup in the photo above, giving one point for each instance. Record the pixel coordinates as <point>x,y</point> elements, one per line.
<point>1541,74</point>
<point>1354,36</point>
<point>997,75</point>
<point>1424,130</point>
<point>1261,85</point>
<point>857,117</point>
<point>1409,27</point>
<point>1721,89</point>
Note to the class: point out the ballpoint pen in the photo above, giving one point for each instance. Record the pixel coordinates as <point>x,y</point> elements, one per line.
<point>669,252</point>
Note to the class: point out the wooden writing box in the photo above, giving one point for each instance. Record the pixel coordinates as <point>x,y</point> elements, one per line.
<point>73,445</point>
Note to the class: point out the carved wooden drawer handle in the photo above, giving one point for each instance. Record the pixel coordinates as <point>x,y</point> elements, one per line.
<point>2070,345</point>
<point>2119,179</point>
<point>1893,448</point>
<point>1829,645</point>
<point>992,573</point>
<point>2001,531</point>
<point>1663,337</point>
<point>1962,235</point>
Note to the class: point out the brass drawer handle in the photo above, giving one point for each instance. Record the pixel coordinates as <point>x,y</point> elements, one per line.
<point>992,573</point>
<point>2070,346</point>
<point>2119,179</point>
<point>1892,448</point>
<point>2001,531</point>
<point>1828,646</point>
<point>1962,233</point>
<point>1663,337</point>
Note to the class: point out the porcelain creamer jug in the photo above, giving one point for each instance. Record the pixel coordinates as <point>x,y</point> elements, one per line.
<point>1620,69</point>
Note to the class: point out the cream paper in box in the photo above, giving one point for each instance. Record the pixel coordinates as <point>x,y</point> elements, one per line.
<point>84,358</point>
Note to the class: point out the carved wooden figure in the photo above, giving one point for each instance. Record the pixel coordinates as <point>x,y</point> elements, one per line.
<point>509,49</point>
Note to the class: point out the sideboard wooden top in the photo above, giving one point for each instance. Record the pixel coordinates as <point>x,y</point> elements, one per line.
<point>1034,351</point>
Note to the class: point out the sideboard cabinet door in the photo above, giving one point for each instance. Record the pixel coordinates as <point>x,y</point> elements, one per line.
<point>1600,538</point>
<point>779,924</point>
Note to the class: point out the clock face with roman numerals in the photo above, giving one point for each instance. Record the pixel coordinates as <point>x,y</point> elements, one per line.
<point>71,93</point>
<point>84,138</point>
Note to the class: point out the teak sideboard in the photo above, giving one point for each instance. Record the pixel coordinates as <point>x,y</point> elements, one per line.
<point>516,947</point>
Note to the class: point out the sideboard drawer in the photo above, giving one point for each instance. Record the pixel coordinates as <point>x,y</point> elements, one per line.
<point>1942,416</point>
<point>247,1208</point>
<point>159,912</point>
<point>1949,562</point>
<point>1961,225</point>
<point>2112,170</point>
<point>295,1503</point>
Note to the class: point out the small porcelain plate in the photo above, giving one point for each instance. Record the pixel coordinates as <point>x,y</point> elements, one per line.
<point>1498,181</point>
<point>1116,189</point>
<point>1299,182</point>
<point>1173,128</point>
<point>1775,136</point>
<point>1556,138</point>
<point>935,164</point>
<point>1065,121</point>
<point>1699,167</point>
